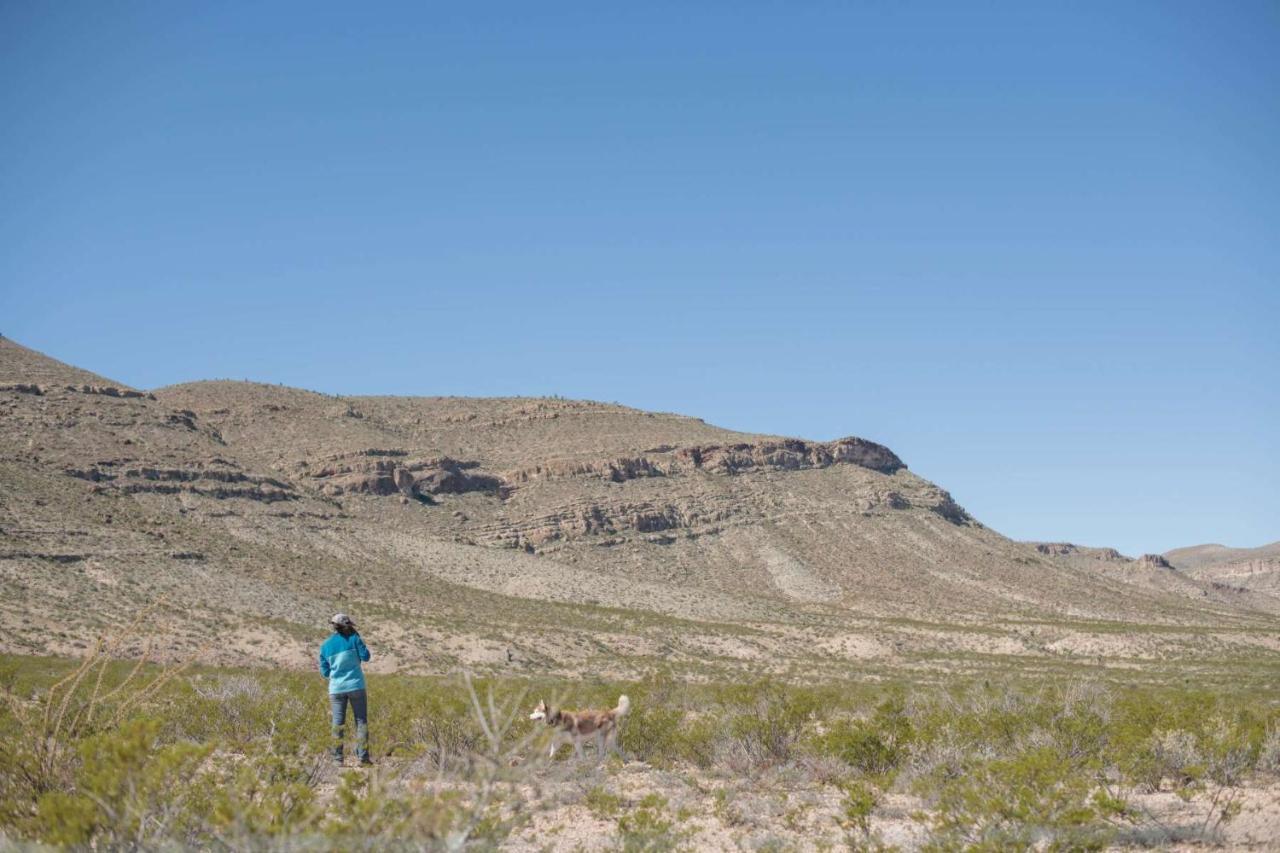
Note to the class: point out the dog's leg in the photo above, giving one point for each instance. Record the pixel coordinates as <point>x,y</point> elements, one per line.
<point>601,739</point>
<point>577,747</point>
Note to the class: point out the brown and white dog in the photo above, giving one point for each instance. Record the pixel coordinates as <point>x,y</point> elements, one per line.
<point>576,726</point>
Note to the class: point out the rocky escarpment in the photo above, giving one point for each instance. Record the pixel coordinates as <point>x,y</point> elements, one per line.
<point>1056,549</point>
<point>1244,568</point>
<point>387,472</point>
<point>1153,561</point>
<point>213,478</point>
<point>782,455</point>
<point>102,390</point>
<point>691,512</point>
<point>1068,549</point>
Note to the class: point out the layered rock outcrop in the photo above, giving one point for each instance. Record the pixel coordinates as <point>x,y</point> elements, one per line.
<point>369,473</point>
<point>1068,549</point>
<point>781,455</point>
<point>101,390</point>
<point>214,478</point>
<point>1056,549</point>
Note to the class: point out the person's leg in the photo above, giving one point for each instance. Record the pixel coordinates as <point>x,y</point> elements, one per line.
<point>338,707</point>
<point>360,709</point>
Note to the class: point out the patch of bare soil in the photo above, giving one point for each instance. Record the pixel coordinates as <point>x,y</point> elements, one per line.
<point>788,809</point>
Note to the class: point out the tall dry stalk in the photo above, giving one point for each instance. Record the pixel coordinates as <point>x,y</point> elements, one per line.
<point>65,714</point>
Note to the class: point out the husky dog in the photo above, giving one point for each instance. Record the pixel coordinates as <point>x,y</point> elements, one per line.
<point>576,726</point>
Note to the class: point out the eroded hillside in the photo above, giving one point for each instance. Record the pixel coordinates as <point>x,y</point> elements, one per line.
<point>538,534</point>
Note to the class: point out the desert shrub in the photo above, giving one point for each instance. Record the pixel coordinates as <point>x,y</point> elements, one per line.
<point>766,732</point>
<point>41,738</point>
<point>1230,747</point>
<point>266,796</point>
<point>244,712</point>
<point>432,718</point>
<point>1184,737</point>
<point>602,803</point>
<point>368,814</point>
<point>1269,749</point>
<point>991,715</point>
<point>941,757</point>
<point>663,736</point>
<point>858,800</point>
<point>1031,799</point>
<point>648,827</point>
<point>1080,727</point>
<point>877,745</point>
<point>445,742</point>
<point>860,745</point>
<point>127,791</point>
<point>1174,755</point>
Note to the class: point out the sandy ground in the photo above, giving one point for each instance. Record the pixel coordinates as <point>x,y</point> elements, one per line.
<point>580,806</point>
<point>782,811</point>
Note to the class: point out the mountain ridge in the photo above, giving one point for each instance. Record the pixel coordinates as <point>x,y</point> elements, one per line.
<point>538,533</point>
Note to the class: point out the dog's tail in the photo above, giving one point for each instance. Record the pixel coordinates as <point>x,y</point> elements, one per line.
<point>624,706</point>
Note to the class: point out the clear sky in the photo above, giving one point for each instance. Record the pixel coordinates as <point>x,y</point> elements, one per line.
<point>1032,247</point>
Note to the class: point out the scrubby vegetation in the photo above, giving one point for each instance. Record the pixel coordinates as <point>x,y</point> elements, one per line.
<point>107,754</point>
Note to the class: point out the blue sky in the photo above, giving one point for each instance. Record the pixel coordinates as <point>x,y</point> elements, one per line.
<point>1033,247</point>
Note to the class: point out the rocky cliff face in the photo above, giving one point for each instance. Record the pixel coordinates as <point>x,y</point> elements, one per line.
<point>1067,549</point>
<point>742,457</point>
<point>366,474</point>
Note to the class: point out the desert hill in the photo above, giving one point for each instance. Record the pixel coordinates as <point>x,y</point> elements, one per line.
<point>1254,569</point>
<point>1205,556</point>
<point>536,534</point>
<point>1156,573</point>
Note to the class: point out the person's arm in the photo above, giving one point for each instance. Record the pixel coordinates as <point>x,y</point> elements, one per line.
<point>362,649</point>
<point>324,663</point>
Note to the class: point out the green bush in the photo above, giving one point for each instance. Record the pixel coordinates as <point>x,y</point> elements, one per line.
<point>648,828</point>
<point>267,796</point>
<point>603,804</point>
<point>877,745</point>
<point>128,791</point>
<point>666,736</point>
<point>767,731</point>
<point>1035,798</point>
<point>857,803</point>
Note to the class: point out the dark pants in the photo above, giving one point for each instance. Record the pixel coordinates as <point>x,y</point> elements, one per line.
<point>360,710</point>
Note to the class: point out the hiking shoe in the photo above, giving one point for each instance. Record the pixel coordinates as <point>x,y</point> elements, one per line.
<point>366,762</point>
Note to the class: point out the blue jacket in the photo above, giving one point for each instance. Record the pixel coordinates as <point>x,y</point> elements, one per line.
<point>340,662</point>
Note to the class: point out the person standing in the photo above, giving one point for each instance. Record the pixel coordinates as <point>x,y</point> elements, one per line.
<point>340,658</point>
